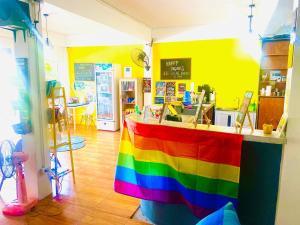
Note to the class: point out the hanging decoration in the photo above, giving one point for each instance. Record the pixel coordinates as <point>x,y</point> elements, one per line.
<point>47,41</point>
<point>250,16</point>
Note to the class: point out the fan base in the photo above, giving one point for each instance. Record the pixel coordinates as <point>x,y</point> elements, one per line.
<point>19,209</point>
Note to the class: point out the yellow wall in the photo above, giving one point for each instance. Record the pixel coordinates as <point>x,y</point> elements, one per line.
<point>101,54</point>
<point>223,64</point>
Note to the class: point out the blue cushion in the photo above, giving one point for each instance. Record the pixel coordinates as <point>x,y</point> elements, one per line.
<point>224,216</point>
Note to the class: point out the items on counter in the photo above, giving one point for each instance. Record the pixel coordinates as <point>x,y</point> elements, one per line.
<point>252,107</point>
<point>187,99</point>
<point>192,87</point>
<point>129,111</point>
<point>155,111</point>
<point>137,110</point>
<point>267,128</point>
<point>207,90</point>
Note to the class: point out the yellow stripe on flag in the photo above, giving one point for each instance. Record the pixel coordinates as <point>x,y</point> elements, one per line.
<point>184,165</point>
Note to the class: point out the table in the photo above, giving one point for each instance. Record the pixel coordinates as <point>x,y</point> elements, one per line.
<point>74,106</point>
<point>77,143</point>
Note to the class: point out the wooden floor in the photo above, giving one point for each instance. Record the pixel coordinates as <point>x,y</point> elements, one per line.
<point>92,200</point>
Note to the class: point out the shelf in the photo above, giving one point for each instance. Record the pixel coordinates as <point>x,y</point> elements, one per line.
<point>264,96</point>
<point>128,90</point>
<point>273,81</point>
<point>128,103</point>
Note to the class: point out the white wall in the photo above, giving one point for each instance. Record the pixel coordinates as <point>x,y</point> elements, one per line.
<point>6,39</point>
<point>56,55</point>
<point>288,209</point>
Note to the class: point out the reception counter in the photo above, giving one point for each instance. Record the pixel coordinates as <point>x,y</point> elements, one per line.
<point>249,164</point>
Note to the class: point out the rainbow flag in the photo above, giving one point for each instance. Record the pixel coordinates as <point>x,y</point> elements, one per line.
<point>177,165</point>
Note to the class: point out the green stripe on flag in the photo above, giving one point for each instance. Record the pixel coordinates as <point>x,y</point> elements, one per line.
<point>198,183</point>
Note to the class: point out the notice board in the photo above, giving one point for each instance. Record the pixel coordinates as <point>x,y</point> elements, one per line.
<point>175,69</point>
<point>84,71</point>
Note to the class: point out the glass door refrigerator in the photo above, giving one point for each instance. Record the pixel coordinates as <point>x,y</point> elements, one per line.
<point>107,76</point>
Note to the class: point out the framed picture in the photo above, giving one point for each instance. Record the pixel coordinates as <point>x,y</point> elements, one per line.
<point>160,88</point>
<point>170,88</point>
<point>84,71</point>
<point>181,88</point>
<point>147,85</point>
<point>159,100</point>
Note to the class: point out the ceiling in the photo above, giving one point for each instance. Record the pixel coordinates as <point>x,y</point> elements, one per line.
<point>68,24</point>
<point>65,22</point>
<point>180,13</point>
<point>97,22</point>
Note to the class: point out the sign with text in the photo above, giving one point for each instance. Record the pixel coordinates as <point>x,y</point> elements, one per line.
<point>84,71</point>
<point>175,69</point>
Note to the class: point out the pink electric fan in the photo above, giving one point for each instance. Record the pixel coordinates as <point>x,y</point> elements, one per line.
<point>22,204</point>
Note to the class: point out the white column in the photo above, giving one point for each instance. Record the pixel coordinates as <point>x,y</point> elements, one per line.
<point>148,73</point>
<point>35,143</point>
<point>288,209</point>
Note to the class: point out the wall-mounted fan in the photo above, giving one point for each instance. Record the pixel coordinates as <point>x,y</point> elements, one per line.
<point>140,58</point>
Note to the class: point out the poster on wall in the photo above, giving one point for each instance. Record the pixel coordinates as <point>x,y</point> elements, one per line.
<point>147,85</point>
<point>159,100</point>
<point>127,71</point>
<point>175,69</point>
<point>181,88</point>
<point>160,88</point>
<point>84,71</point>
<point>170,89</point>
<point>79,85</point>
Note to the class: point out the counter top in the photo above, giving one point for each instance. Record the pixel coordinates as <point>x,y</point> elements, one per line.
<point>256,136</point>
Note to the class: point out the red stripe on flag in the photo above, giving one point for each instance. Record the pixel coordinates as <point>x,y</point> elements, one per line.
<point>216,147</point>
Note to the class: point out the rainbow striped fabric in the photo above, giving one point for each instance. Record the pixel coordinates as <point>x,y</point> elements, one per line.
<point>177,165</point>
